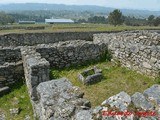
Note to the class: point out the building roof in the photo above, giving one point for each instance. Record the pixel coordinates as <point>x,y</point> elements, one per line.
<point>58,20</point>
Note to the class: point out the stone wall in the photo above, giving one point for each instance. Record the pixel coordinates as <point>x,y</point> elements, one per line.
<point>10,73</point>
<point>22,27</point>
<point>11,68</point>
<point>71,53</point>
<point>36,69</point>
<point>138,50</point>
<point>30,39</point>
<point>9,54</point>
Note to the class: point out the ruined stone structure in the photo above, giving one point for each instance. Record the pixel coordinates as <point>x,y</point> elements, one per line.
<point>138,50</point>
<point>30,55</point>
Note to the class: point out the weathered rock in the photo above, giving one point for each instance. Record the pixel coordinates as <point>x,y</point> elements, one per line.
<point>153,94</point>
<point>58,100</point>
<point>120,101</point>
<point>97,109</point>
<point>147,65</point>
<point>27,117</point>
<point>83,115</point>
<point>140,101</point>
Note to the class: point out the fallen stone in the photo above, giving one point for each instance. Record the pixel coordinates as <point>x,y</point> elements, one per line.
<point>140,101</point>
<point>14,111</point>
<point>58,100</point>
<point>120,101</point>
<point>27,117</point>
<point>153,94</point>
<point>4,91</point>
<point>2,117</point>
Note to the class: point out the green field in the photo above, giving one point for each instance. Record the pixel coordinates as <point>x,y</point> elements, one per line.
<point>77,28</point>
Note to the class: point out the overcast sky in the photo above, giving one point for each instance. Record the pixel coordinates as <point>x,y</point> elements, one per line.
<point>133,4</point>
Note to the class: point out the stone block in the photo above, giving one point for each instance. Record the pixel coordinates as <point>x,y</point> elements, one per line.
<point>90,76</point>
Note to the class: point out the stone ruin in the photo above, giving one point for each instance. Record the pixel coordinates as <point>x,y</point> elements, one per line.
<point>90,76</point>
<point>31,55</point>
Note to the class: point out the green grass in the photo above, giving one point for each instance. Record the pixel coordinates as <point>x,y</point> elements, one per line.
<point>115,79</point>
<point>77,28</point>
<point>17,98</point>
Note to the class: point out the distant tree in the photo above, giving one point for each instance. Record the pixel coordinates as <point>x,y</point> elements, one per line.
<point>133,21</point>
<point>97,19</point>
<point>6,18</point>
<point>115,17</point>
<point>156,21</point>
<point>151,20</point>
<point>82,21</point>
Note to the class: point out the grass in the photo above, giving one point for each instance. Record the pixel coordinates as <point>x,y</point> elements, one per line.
<point>77,28</point>
<point>17,98</point>
<point>115,79</point>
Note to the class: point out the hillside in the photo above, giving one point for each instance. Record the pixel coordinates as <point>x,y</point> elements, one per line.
<point>75,8</point>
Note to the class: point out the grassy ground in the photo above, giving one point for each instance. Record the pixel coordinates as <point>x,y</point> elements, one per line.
<point>115,79</point>
<point>17,98</point>
<point>77,28</point>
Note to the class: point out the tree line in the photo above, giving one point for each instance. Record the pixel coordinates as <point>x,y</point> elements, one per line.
<point>6,18</point>
<point>115,18</point>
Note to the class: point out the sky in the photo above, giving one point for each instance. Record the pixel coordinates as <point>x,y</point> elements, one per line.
<point>128,4</point>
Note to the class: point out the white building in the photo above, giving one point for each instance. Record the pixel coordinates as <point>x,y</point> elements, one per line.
<point>59,21</point>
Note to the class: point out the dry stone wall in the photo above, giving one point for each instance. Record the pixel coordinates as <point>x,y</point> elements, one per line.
<point>10,73</point>
<point>11,68</point>
<point>36,69</point>
<point>30,39</point>
<point>71,53</point>
<point>138,50</point>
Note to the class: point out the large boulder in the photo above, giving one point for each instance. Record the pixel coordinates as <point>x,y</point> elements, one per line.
<point>140,101</point>
<point>59,100</point>
<point>153,94</point>
<point>120,101</point>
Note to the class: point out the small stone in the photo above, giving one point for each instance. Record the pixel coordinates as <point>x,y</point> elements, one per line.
<point>2,117</point>
<point>27,117</point>
<point>14,111</point>
<point>147,65</point>
<point>153,60</point>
